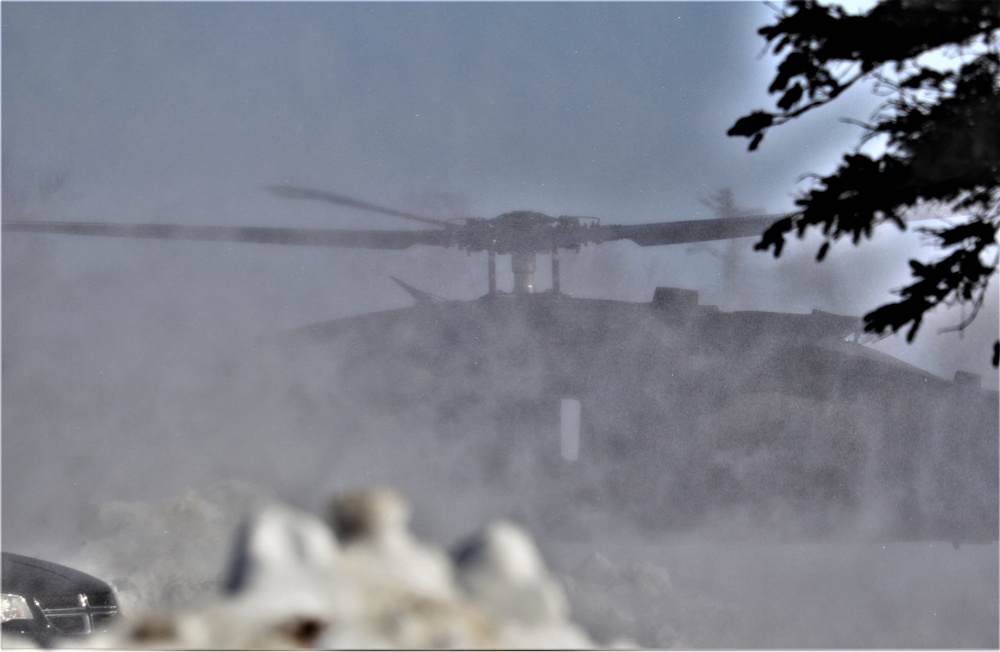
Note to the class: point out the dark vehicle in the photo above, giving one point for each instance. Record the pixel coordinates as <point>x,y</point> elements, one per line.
<point>42,600</point>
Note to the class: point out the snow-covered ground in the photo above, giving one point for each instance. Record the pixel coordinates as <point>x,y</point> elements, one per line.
<point>785,595</point>
<point>661,592</point>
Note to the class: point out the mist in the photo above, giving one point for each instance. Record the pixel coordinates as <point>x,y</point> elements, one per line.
<point>155,392</point>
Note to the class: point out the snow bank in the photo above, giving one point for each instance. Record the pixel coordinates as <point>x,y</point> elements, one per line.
<point>359,579</point>
<point>233,566</point>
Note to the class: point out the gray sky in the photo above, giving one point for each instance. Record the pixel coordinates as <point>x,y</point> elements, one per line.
<point>618,109</point>
<point>183,112</point>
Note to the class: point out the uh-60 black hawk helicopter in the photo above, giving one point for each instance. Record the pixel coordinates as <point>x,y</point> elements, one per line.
<point>687,412</point>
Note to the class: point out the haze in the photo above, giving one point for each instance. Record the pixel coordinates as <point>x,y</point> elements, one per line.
<point>129,366</point>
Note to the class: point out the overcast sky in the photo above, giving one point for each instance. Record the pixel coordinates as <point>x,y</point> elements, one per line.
<point>619,109</point>
<point>153,112</point>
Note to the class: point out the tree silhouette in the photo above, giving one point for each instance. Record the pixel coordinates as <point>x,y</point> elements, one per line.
<point>939,129</point>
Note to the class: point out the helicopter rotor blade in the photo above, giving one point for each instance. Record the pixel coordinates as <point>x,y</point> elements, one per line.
<point>248,234</point>
<point>569,236</point>
<point>299,192</point>
<point>666,233</point>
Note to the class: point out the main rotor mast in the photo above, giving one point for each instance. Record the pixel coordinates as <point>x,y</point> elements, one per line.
<point>520,234</point>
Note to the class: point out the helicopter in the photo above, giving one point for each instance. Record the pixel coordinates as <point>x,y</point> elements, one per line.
<point>709,411</point>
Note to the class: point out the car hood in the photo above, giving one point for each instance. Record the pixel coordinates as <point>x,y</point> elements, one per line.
<point>33,577</point>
